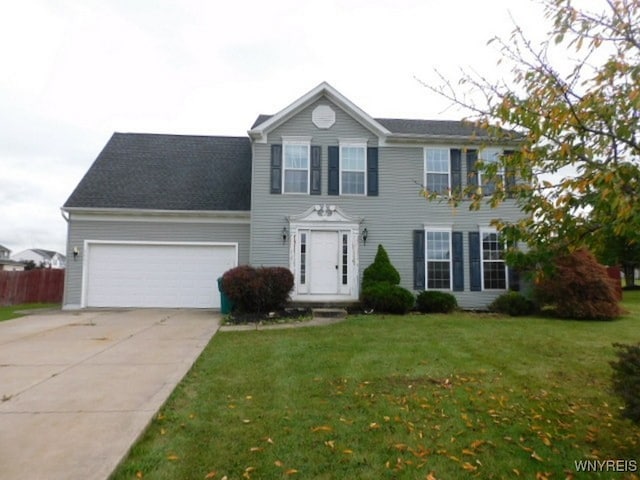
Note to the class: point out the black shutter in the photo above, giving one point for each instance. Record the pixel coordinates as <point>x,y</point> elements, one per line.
<point>372,171</point>
<point>276,168</point>
<point>509,176</point>
<point>456,170</point>
<point>458,262</point>
<point>475,268</point>
<point>334,170</point>
<point>418,260</point>
<point>514,279</point>
<point>316,170</point>
<point>472,170</point>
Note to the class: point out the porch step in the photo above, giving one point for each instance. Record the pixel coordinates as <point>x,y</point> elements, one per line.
<point>329,312</point>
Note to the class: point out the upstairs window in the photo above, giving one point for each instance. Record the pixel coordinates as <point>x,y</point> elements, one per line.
<point>490,156</point>
<point>436,170</point>
<point>296,167</point>
<point>353,168</point>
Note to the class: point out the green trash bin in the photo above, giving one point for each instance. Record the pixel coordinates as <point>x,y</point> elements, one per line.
<point>226,305</point>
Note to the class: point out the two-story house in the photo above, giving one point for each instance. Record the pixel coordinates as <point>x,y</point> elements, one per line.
<point>315,188</point>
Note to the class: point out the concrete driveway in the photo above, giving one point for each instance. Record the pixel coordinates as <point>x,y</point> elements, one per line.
<point>78,388</point>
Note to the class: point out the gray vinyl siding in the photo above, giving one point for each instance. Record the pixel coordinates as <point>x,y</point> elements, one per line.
<point>390,218</point>
<point>81,230</point>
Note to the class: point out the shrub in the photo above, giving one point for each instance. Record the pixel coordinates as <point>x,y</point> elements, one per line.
<point>277,283</point>
<point>388,298</point>
<point>579,288</point>
<point>626,379</point>
<point>436,302</point>
<point>257,290</point>
<point>514,304</point>
<point>381,270</point>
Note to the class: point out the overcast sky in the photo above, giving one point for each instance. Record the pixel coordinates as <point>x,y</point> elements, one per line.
<point>74,72</point>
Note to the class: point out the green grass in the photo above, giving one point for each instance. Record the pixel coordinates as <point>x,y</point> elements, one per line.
<point>397,397</point>
<point>14,311</point>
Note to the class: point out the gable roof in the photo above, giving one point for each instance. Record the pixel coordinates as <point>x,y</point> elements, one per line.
<point>269,122</point>
<point>168,172</point>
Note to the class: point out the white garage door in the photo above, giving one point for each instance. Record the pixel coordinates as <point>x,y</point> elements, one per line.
<point>156,275</point>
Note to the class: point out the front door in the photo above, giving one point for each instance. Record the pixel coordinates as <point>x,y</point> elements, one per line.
<point>324,265</point>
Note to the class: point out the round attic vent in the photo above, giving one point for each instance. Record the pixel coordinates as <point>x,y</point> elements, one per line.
<point>323,116</point>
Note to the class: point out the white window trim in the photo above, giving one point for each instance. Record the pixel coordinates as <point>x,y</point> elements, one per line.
<point>426,170</point>
<point>448,230</point>
<point>296,142</point>
<point>482,260</point>
<point>352,144</point>
<point>500,172</point>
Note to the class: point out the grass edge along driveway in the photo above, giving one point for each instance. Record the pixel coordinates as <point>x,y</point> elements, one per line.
<point>399,397</point>
<point>14,311</point>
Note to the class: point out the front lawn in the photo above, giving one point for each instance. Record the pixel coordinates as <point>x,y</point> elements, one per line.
<point>398,397</point>
<point>14,311</point>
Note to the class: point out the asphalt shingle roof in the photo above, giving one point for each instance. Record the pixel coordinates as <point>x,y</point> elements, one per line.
<point>168,172</point>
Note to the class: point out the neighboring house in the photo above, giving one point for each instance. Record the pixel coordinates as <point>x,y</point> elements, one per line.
<point>6,264</point>
<point>315,188</point>
<point>41,257</point>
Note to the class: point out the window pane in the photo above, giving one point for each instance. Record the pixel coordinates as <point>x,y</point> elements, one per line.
<point>295,181</point>
<point>296,156</point>
<point>495,275</point>
<point>438,275</point>
<point>353,158</point>
<point>303,258</point>
<point>353,183</point>
<point>490,155</point>
<point>437,182</point>
<point>492,247</point>
<point>438,160</point>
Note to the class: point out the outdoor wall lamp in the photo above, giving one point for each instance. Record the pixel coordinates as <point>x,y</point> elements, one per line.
<point>76,252</point>
<point>285,234</point>
<point>365,235</point>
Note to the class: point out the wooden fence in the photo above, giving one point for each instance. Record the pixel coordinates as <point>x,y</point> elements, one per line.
<point>44,285</point>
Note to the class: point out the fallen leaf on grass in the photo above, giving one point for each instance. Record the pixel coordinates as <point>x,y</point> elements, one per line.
<point>322,428</point>
<point>278,464</point>
<point>347,451</point>
<point>537,457</point>
<point>139,474</point>
<point>468,467</point>
<point>431,476</point>
<point>256,449</point>
<point>291,471</point>
<point>173,457</point>
<point>211,475</point>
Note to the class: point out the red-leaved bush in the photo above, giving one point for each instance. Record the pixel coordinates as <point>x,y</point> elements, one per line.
<point>257,290</point>
<point>579,288</point>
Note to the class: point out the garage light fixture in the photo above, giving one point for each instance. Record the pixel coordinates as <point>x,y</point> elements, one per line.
<point>285,234</point>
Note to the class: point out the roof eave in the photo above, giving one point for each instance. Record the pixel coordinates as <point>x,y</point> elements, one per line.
<point>430,138</point>
<point>157,212</point>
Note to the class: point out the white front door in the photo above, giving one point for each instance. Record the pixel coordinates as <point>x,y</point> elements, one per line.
<point>324,265</point>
